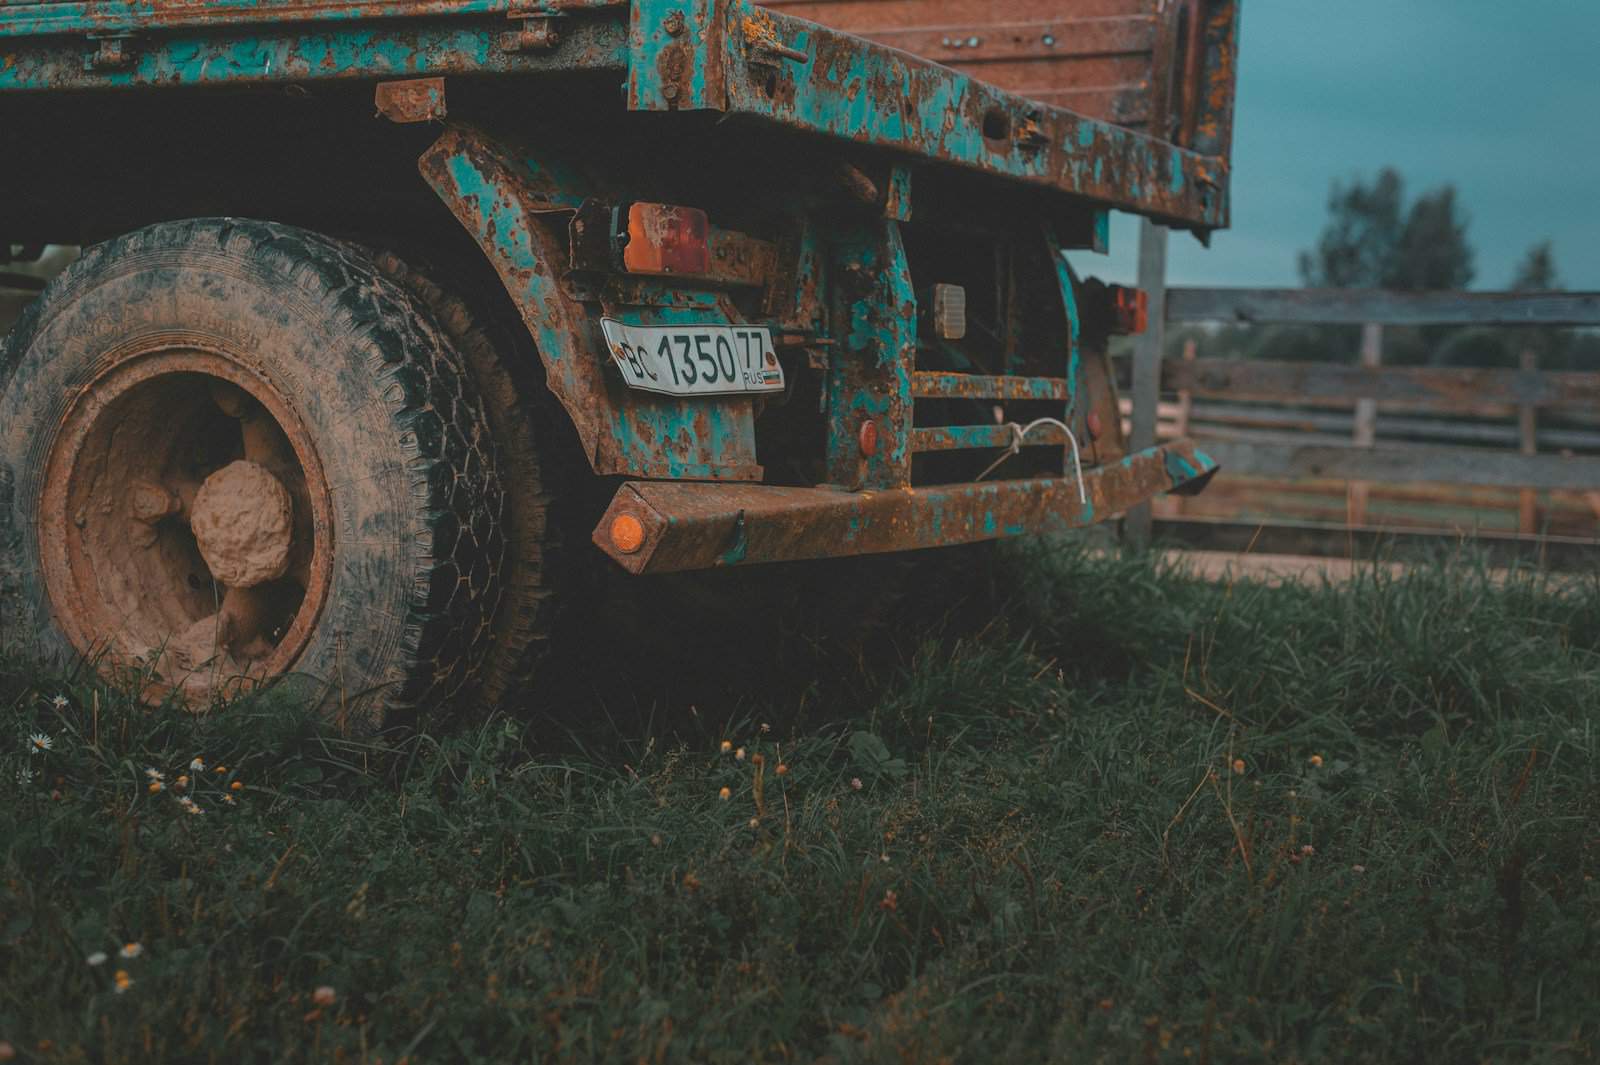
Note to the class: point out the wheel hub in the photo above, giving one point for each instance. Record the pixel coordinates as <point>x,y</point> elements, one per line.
<point>179,524</point>
<point>243,522</point>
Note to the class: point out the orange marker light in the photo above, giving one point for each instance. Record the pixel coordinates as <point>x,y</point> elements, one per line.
<point>627,533</point>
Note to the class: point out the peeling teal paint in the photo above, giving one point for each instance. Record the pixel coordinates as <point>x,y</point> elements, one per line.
<point>274,54</point>
<point>623,431</point>
<point>727,55</point>
<point>869,374</point>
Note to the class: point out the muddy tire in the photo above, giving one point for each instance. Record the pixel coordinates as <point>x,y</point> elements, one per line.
<point>506,380</point>
<point>233,451</point>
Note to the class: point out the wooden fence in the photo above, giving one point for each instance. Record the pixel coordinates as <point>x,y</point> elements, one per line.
<point>1314,453</point>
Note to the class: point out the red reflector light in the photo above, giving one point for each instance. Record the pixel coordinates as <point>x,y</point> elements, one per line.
<point>666,239</point>
<point>1130,308</point>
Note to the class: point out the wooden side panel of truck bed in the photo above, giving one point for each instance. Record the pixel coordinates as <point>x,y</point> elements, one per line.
<point>1136,63</point>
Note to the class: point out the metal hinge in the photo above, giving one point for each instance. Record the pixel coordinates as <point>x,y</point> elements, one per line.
<point>112,51</point>
<point>534,33</point>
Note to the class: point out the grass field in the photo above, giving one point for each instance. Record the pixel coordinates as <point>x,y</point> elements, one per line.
<point>1068,808</point>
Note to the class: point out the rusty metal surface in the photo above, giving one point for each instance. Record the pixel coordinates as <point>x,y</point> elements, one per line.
<point>412,100</point>
<point>868,387</point>
<point>125,16</point>
<point>880,96</point>
<point>1099,62</point>
<point>695,526</point>
<point>711,55</point>
<point>519,209</point>
<point>931,385</point>
<point>280,55</point>
<point>974,437</point>
<point>1166,66</point>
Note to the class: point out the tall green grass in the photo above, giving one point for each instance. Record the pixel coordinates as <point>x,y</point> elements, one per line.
<point>1066,807</point>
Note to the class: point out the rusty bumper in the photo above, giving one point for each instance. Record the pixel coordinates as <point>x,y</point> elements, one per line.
<point>676,526</point>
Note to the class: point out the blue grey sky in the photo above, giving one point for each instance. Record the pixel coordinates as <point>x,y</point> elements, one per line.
<point>1500,97</point>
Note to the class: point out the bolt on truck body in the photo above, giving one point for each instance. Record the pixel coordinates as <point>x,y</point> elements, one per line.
<point>376,284</point>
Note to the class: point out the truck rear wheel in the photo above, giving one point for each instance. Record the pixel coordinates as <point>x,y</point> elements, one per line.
<point>523,432</point>
<point>232,451</point>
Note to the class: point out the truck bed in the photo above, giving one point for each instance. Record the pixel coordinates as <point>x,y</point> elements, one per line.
<point>762,64</point>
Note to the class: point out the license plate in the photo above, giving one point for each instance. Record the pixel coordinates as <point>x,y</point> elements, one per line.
<point>694,360</point>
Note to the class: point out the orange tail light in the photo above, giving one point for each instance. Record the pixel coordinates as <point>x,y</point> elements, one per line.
<point>667,239</point>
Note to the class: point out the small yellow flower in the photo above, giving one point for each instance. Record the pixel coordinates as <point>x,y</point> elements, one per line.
<point>324,995</point>
<point>183,781</point>
<point>725,794</point>
<point>1238,766</point>
<point>123,981</point>
<point>131,950</point>
<point>727,745</point>
<point>783,769</point>
<point>237,785</point>
<point>739,754</point>
<point>219,769</point>
<point>1316,761</point>
<point>155,786</point>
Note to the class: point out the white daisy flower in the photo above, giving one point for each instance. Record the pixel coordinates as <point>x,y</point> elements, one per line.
<point>198,765</point>
<point>131,950</point>
<point>97,958</point>
<point>59,702</point>
<point>24,775</point>
<point>40,742</point>
<point>155,774</point>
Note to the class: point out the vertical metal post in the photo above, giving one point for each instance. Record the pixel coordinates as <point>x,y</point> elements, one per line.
<point>1528,438</point>
<point>869,376</point>
<point>1147,362</point>
<point>1366,424</point>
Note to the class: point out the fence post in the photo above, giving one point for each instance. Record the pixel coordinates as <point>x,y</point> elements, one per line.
<point>1528,437</point>
<point>1147,362</point>
<point>1366,424</point>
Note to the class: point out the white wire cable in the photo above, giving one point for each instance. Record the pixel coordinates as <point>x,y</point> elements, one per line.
<point>1019,433</point>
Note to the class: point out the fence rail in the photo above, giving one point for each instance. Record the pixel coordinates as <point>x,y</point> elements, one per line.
<point>1306,306</point>
<point>1371,431</point>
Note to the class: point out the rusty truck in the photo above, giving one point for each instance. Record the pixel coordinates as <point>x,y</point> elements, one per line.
<point>392,314</point>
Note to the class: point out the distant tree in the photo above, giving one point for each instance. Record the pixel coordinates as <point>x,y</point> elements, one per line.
<point>1357,246</point>
<point>1432,252</point>
<point>1537,270</point>
<point>1537,273</point>
<point>1374,240</point>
